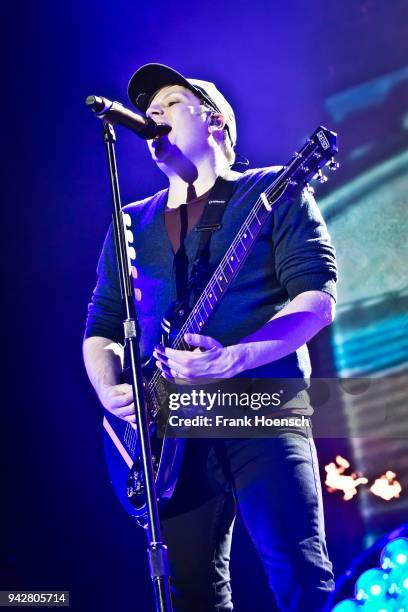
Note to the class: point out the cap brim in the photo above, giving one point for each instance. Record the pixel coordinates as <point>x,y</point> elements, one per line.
<point>149,79</point>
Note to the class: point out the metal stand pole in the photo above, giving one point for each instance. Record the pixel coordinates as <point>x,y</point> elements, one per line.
<point>157,551</point>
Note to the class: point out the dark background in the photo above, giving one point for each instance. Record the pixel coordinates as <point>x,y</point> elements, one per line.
<point>286,68</point>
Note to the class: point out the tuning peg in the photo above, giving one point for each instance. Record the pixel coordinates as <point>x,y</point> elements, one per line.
<point>309,188</point>
<point>321,177</point>
<point>333,165</point>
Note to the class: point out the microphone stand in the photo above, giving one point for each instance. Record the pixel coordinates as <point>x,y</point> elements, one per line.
<point>157,550</point>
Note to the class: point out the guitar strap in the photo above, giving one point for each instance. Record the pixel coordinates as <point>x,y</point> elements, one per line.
<point>209,223</point>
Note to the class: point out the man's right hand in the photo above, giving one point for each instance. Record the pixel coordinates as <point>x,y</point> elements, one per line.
<point>118,399</point>
<point>104,362</point>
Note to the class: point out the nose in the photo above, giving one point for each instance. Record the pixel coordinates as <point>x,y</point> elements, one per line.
<point>154,111</point>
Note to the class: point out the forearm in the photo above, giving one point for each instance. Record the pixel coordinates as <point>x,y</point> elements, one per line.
<point>103,360</point>
<point>288,330</point>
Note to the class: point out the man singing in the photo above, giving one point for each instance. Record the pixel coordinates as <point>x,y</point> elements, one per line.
<point>283,295</point>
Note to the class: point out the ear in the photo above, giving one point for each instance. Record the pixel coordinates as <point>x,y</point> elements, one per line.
<point>216,122</point>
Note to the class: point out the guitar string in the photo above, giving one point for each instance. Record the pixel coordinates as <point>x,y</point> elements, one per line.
<point>132,435</point>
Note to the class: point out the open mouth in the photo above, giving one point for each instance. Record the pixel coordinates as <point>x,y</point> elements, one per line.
<point>166,128</point>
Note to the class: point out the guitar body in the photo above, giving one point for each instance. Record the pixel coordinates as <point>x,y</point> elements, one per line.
<point>121,440</point>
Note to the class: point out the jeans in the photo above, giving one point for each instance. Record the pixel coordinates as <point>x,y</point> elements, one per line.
<point>276,484</point>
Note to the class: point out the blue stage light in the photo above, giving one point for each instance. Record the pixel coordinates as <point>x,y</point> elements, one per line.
<point>348,605</point>
<point>398,578</point>
<point>379,605</point>
<point>382,589</point>
<point>372,584</point>
<point>395,554</point>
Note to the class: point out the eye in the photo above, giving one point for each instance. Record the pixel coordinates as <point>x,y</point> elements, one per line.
<point>172,102</point>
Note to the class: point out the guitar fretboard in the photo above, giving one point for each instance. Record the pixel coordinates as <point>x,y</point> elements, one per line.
<point>232,261</point>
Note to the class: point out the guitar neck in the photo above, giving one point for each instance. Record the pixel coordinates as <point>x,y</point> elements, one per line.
<point>234,258</point>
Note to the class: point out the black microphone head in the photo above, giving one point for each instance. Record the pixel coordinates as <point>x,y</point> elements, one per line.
<point>96,103</point>
<point>115,112</point>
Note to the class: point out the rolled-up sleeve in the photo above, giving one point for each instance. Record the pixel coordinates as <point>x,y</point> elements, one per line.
<point>305,259</point>
<point>106,310</point>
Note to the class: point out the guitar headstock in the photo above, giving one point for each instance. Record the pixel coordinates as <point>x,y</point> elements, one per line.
<point>318,152</point>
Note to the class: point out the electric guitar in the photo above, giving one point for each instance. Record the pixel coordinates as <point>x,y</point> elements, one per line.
<point>120,437</point>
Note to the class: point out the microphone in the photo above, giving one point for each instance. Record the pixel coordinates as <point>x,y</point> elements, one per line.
<point>115,112</point>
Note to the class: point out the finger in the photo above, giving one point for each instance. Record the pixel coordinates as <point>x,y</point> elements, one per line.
<point>176,375</point>
<point>203,342</point>
<point>160,357</point>
<point>170,364</point>
<point>126,411</point>
<point>163,367</point>
<point>173,375</point>
<point>166,371</point>
<point>121,400</point>
<point>167,376</point>
<point>122,388</point>
<point>130,419</point>
<point>179,356</point>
